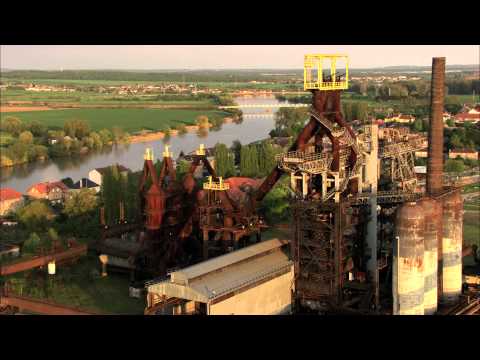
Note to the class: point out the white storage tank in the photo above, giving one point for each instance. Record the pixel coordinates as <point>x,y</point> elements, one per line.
<point>407,278</point>
<point>452,248</point>
<point>432,210</point>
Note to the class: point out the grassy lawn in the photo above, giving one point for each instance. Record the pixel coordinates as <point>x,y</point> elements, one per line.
<point>129,119</point>
<point>76,286</point>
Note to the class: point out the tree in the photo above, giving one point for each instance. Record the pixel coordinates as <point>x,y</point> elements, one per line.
<point>18,152</point>
<point>31,245</point>
<point>418,125</point>
<point>236,148</point>
<point>202,121</point>
<point>97,140</point>
<point>12,125</point>
<point>289,121</point>
<point>35,215</point>
<point>118,134</point>
<point>249,161</point>
<point>37,128</point>
<point>266,159</point>
<point>451,123</point>
<point>347,111</point>
<point>224,161</point>
<point>76,128</point>
<point>276,204</point>
<point>456,141</point>
<point>80,202</point>
<point>67,181</point>
<point>360,111</point>
<point>182,129</point>
<point>105,136</point>
<point>456,166</point>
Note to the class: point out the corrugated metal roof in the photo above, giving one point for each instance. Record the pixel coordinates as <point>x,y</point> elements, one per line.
<point>238,269</point>
<point>184,276</point>
<point>218,283</point>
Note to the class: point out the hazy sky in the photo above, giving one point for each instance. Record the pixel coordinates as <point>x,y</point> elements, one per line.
<point>45,57</point>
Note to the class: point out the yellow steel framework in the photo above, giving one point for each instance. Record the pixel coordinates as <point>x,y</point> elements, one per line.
<point>216,185</point>
<point>314,62</point>
<point>167,152</point>
<point>201,150</point>
<point>148,154</point>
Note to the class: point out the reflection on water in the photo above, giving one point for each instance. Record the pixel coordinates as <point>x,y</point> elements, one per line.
<point>251,128</point>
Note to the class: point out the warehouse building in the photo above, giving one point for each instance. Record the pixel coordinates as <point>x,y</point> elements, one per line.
<point>254,280</point>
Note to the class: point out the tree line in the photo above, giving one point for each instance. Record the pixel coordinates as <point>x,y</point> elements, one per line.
<point>26,142</point>
<point>254,160</point>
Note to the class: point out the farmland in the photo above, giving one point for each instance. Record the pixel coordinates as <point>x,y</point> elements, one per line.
<point>130,120</point>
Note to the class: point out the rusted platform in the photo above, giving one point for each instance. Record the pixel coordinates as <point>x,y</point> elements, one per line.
<point>19,266</point>
<point>42,307</point>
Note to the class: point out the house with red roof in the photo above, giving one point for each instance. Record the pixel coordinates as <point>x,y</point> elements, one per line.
<point>55,191</point>
<point>10,200</point>
<point>472,115</point>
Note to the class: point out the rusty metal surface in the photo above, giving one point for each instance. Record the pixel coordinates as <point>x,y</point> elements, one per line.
<point>37,306</point>
<point>451,261</point>
<point>435,134</point>
<point>407,280</point>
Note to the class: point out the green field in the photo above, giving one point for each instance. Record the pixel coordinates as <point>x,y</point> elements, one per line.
<point>94,98</point>
<point>81,286</point>
<point>129,119</point>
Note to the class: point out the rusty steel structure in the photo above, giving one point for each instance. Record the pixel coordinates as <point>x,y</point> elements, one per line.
<point>181,222</point>
<point>366,239</point>
<point>226,223</point>
<point>346,212</point>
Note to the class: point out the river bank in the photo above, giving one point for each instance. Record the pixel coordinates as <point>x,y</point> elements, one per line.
<point>252,128</point>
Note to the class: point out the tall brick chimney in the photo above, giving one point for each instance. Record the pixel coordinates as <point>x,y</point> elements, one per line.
<point>435,135</point>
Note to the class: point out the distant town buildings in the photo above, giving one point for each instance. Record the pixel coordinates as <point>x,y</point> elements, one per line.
<point>400,118</point>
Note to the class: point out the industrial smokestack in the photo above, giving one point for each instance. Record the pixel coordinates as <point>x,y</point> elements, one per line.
<point>435,136</point>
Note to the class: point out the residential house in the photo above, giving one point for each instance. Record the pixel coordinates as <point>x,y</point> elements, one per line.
<point>463,153</point>
<point>469,115</point>
<point>85,183</point>
<point>96,175</point>
<point>10,200</point>
<point>55,192</point>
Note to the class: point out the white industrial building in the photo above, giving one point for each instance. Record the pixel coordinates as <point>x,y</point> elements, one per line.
<point>256,280</point>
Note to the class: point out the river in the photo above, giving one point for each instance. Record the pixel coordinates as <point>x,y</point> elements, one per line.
<point>256,125</point>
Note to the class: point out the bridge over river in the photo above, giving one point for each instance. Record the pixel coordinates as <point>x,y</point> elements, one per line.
<point>264,106</point>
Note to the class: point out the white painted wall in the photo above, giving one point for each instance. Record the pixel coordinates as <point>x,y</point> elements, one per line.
<point>95,176</point>
<point>270,298</point>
